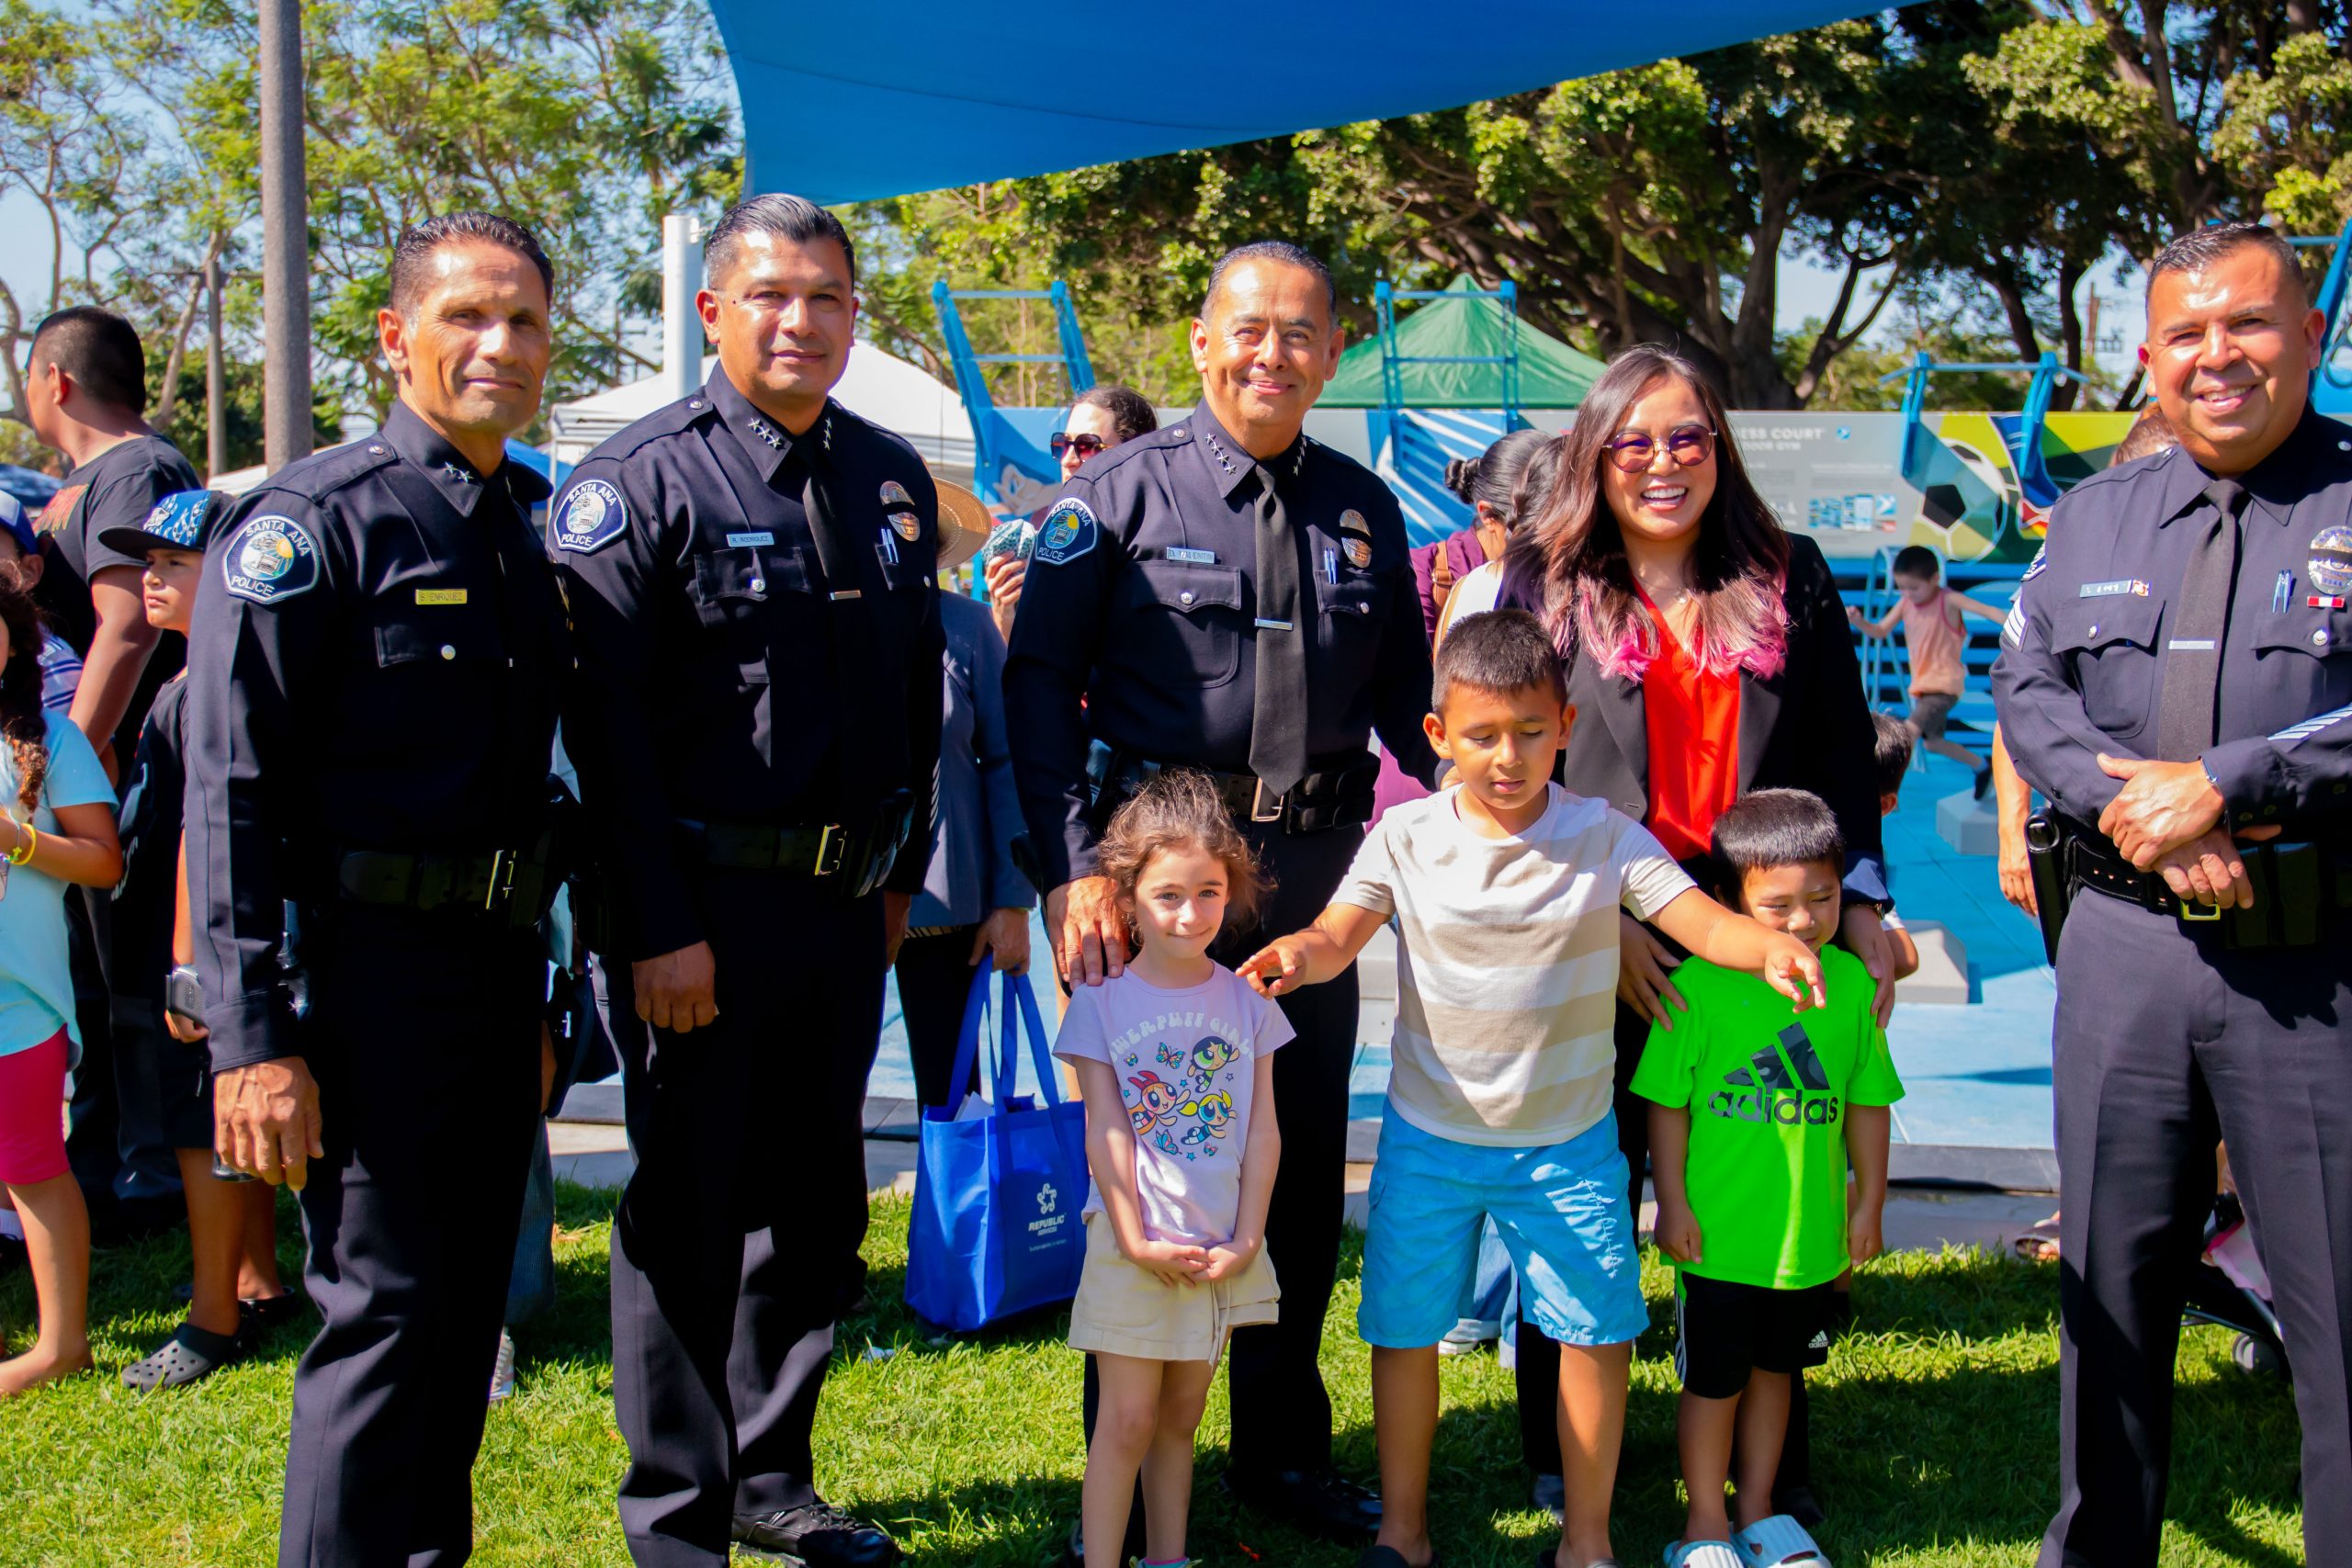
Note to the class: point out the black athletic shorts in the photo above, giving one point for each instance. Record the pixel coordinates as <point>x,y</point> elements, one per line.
<point>1725,1331</point>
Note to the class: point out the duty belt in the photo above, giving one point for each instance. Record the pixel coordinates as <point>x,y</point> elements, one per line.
<point>859,855</point>
<point>513,882</point>
<point>1340,795</point>
<point>2297,886</point>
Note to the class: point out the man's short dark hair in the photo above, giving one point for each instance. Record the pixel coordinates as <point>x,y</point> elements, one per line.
<point>1501,652</point>
<point>1892,755</point>
<point>1281,251</point>
<point>1131,413</point>
<point>2152,434</point>
<point>2200,248</point>
<point>1770,828</point>
<point>1918,561</point>
<point>792,217</point>
<point>99,350</point>
<point>417,244</point>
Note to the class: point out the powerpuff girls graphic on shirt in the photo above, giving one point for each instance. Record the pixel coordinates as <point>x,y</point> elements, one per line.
<point>1179,1096</point>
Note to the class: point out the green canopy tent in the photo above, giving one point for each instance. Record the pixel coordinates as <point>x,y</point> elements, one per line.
<point>1551,374</point>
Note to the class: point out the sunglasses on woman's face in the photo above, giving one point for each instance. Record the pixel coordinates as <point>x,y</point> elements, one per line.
<point>1087,446</point>
<point>1688,445</point>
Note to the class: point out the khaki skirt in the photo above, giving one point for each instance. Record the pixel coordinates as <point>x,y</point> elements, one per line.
<point>1124,1309</point>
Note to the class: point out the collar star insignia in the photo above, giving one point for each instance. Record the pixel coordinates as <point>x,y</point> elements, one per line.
<point>767,432</point>
<point>458,472</point>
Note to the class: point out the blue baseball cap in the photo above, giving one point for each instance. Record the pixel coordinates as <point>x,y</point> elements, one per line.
<point>179,522</point>
<point>19,527</point>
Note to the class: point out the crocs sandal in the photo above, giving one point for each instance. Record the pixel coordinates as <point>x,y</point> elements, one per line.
<point>1549,1557</point>
<point>1389,1557</point>
<point>266,1312</point>
<point>1779,1542</point>
<point>1703,1554</point>
<point>190,1353</point>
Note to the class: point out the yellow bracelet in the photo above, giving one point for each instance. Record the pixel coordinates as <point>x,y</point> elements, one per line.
<point>24,852</point>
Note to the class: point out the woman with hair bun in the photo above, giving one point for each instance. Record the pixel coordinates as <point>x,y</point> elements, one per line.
<point>1497,487</point>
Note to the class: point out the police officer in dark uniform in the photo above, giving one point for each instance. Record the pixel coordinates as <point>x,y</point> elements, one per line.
<point>379,651</point>
<point>751,571</point>
<point>1227,594</point>
<point>2177,679</point>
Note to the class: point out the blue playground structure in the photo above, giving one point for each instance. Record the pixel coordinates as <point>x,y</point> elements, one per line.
<point>1950,489</point>
<point>1011,465</point>
<point>1869,586</point>
<point>1412,445</point>
<point>2332,384</point>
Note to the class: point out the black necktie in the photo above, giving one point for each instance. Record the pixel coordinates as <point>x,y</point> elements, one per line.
<point>841,555</point>
<point>1278,709</point>
<point>2193,641</point>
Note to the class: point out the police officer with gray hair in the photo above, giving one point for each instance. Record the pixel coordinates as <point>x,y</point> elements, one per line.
<point>756,729</point>
<point>2175,677</point>
<point>377,661</point>
<point>1228,594</point>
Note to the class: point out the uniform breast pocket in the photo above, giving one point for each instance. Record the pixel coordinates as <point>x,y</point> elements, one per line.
<point>1352,611</point>
<point>2306,658</point>
<point>1182,623</point>
<point>735,593</point>
<point>2111,644</point>
<point>458,640</point>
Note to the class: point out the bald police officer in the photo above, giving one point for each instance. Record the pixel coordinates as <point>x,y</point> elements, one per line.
<point>1227,594</point>
<point>752,570</point>
<point>2176,678</point>
<point>372,698</point>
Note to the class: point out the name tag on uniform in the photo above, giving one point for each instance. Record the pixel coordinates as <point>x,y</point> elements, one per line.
<point>2131,585</point>
<point>440,595</point>
<point>741,541</point>
<point>1197,558</point>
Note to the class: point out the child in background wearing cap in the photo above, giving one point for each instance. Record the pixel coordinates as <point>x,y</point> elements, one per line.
<point>20,562</point>
<point>233,1224</point>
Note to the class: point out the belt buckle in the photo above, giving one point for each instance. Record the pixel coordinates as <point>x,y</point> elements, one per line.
<point>502,880</point>
<point>2202,914</point>
<point>1258,812</point>
<point>830,846</point>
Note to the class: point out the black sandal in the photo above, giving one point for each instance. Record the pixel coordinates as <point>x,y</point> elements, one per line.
<point>189,1355</point>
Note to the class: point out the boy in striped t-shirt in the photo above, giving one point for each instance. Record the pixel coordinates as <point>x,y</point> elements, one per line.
<point>1505,889</point>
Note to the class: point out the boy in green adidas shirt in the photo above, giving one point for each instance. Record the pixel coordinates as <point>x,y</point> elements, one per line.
<point>1756,1114</point>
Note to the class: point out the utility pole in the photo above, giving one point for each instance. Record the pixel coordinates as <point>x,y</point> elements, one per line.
<point>286,252</point>
<point>216,379</point>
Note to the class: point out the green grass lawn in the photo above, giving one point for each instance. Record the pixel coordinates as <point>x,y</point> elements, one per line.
<point>1935,1434</point>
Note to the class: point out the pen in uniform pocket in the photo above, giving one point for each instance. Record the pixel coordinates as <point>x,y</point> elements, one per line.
<point>2282,592</point>
<point>1331,567</point>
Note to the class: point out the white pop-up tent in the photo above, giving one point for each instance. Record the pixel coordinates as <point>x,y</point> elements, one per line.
<point>879,387</point>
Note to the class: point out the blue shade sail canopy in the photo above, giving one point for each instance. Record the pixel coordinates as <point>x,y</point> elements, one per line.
<point>859,102</point>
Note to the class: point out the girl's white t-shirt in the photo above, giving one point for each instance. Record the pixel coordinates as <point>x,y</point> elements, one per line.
<point>1187,1067</point>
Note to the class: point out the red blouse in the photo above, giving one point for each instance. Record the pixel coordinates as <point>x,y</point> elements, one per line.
<point>1693,721</point>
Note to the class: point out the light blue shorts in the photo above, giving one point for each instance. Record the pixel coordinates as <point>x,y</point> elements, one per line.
<point>1560,1209</point>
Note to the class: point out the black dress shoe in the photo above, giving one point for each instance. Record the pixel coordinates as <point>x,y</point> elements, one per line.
<point>1550,1493</point>
<point>816,1535</point>
<point>1320,1502</point>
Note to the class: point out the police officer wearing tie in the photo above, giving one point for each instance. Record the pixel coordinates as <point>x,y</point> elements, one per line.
<point>750,570</point>
<point>2177,679</point>
<point>1227,594</point>
<point>372,698</point>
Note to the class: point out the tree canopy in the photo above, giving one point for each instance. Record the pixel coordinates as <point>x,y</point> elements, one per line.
<point>1962,167</point>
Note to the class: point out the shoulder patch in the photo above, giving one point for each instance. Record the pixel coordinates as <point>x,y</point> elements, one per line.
<point>1069,531</point>
<point>2040,564</point>
<point>270,558</point>
<point>593,515</point>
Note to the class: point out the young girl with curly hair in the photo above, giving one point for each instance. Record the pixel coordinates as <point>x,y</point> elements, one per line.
<point>1175,1058</point>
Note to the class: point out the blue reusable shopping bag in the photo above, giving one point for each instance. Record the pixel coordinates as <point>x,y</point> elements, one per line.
<point>995,1229</point>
